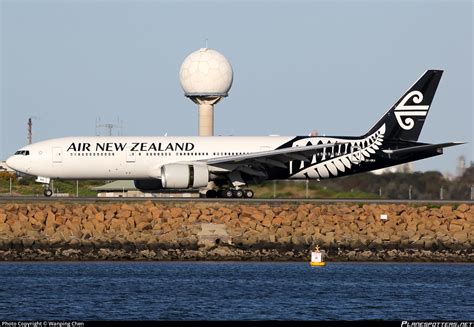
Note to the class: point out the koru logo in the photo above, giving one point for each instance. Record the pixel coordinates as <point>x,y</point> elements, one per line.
<point>402,110</point>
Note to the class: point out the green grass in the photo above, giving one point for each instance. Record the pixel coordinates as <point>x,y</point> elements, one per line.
<point>297,189</point>
<point>284,189</point>
<point>27,186</point>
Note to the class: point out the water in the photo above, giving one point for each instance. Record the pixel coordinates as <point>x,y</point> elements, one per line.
<point>235,291</point>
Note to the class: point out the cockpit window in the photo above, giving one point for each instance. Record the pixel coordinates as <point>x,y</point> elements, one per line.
<point>23,153</point>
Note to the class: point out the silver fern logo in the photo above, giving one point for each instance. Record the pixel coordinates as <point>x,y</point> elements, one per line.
<point>408,111</point>
<point>345,155</point>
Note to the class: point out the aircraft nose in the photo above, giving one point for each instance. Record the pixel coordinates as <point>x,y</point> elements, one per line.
<point>11,162</point>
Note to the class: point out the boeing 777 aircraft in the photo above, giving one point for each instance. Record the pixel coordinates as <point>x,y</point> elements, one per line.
<point>223,166</point>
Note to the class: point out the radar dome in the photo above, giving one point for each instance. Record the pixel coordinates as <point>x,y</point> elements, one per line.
<point>206,72</point>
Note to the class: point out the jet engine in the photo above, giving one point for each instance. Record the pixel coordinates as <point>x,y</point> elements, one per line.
<point>184,175</point>
<point>148,185</point>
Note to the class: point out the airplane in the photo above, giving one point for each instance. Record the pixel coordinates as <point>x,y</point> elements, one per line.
<point>224,166</point>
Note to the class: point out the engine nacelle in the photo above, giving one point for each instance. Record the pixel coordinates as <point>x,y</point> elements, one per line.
<point>148,185</point>
<point>184,176</point>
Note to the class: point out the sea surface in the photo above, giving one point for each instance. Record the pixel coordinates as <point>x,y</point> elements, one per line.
<point>235,291</point>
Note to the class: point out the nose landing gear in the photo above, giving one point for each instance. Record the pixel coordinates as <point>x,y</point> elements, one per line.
<point>46,185</point>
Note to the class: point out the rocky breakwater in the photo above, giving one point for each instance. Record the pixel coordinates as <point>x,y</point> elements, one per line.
<point>216,231</point>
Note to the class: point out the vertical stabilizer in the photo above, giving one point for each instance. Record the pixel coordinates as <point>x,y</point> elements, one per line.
<point>405,119</point>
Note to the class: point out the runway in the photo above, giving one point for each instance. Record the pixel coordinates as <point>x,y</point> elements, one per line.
<point>36,199</point>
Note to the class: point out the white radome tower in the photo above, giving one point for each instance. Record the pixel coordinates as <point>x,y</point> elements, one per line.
<point>206,77</point>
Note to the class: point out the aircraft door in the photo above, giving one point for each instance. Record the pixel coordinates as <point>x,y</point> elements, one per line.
<point>57,154</point>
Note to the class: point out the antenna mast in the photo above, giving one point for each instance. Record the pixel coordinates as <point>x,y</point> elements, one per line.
<point>30,129</point>
<point>30,132</point>
<point>110,126</point>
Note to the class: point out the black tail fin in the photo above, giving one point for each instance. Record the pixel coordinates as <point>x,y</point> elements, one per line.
<point>405,119</point>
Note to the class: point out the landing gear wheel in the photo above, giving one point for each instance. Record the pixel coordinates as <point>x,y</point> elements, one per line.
<point>248,194</point>
<point>238,194</point>
<point>228,194</point>
<point>211,194</point>
<point>48,192</point>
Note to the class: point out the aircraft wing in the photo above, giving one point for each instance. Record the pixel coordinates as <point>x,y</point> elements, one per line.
<point>439,147</point>
<point>254,163</point>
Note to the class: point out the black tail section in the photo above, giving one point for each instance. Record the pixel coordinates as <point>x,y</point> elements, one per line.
<point>405,119</point>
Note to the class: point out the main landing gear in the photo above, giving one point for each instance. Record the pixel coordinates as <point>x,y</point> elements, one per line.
<point>230,193</point>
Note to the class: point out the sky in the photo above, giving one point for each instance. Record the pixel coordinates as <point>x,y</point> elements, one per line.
<point>331,66</point>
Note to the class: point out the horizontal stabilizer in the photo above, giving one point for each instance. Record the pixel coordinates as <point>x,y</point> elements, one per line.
<point>423,147</point>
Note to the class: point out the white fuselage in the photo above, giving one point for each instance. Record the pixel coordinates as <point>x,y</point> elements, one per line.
<point>129,157</point>
<point>239,160</point>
